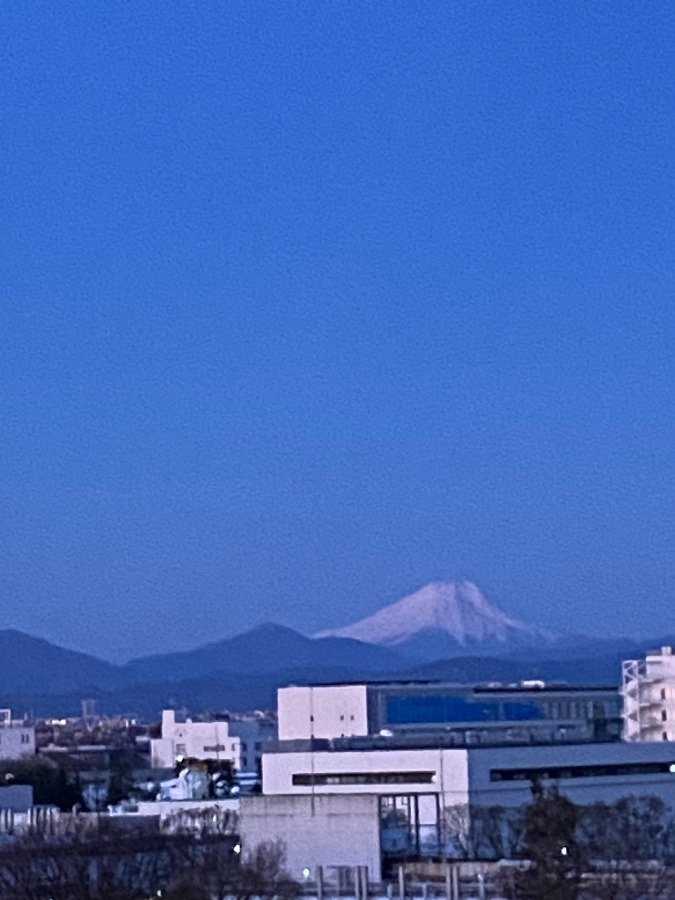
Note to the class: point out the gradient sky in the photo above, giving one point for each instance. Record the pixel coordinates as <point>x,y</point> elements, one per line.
<point>304,304</point>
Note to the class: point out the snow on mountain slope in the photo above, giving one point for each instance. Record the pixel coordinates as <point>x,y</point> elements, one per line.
<point>455,610</point>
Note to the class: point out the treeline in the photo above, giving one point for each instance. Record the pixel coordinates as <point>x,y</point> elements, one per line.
<point>105,864</point>
<point>603,851</point>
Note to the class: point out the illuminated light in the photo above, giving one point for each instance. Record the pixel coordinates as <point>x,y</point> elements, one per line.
<point>237,848</point>
<point>563,851</point>
<point>305,872</point>
<point>671,767</point>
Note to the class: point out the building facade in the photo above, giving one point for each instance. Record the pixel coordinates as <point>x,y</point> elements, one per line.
<point>648,693</point>
<point>239,741</point>
<point>531,712</point>
<point>17,739</point>
<point>373,775</point>
<point>427,803</point>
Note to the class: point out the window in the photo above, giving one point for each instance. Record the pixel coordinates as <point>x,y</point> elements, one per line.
<point>593,771</point>
<point>665,735</point>
<point>408,709</point>
<point>664,715</point>
<point>663,693</point>
<point>25,739</point>
<point>342,718</point>
<point>180,749</point>
<point>327,778</point>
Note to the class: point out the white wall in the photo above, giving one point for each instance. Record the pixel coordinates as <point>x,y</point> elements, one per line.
<point>463,776</point>
<point>16,740</point>
<point>322,711</point>
<point>241,741</point>
<point>328,831</point>
<point>649,697</point>
<point>449,768</point>
<point>199,740</point>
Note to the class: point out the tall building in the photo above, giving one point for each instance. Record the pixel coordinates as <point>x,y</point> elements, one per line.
<point>648,692</point>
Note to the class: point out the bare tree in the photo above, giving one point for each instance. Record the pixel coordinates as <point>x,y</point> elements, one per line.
<point>481,832</point>
<point>85,864</point>
<point>629,848</point>
<point>215,876</point>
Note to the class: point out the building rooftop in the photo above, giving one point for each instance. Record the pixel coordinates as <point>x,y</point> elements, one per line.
<point>533,686</point>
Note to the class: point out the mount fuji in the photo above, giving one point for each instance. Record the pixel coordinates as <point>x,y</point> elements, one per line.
<point>444,618</point>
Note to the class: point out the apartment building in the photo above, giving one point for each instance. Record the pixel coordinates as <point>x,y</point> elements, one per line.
<point>240,741</point>
<point>648,693</point>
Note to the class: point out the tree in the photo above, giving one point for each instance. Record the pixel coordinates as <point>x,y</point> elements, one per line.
<point>628,847</point>
<point>121,782</point>
<point>216,875</point>
<point>550,848</point>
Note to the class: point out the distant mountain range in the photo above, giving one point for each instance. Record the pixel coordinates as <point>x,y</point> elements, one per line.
<point>445,630</point>
<point>267,648</point>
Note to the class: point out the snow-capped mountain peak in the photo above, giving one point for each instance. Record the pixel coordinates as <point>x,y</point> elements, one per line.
<point>455,612</point>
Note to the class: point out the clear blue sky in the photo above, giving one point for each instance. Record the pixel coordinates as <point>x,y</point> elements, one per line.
<point>304,304</point>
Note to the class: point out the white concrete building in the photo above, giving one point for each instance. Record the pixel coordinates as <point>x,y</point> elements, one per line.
<point>343,808</point>
<point>16,738</point>
<point>478,776</point>
<point>353,807</point>
<point>364,774</point>
<point>322,711</point>
<point>240,741</point>
<point>334,832</point>
<point>648,692</point>
<point>459,713</point>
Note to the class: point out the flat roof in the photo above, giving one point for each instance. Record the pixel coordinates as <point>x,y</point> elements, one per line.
<point>456,685</point>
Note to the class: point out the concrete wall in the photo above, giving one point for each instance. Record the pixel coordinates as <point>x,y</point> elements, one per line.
<point>322,711</point>
<point>16,740</point>
<point>329,831</point>
<point>582,790</point>
<point>448,769</point>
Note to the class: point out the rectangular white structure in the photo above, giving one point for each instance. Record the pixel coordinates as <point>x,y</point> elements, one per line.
<point>322,711</point>
<point>383,772</point>
<point>459,713</point>
<point>329,831</point>
<point>478,776</point>
<point>16,738</point>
